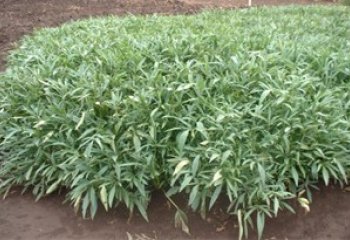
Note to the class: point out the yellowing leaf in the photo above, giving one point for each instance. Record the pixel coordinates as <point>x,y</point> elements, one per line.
<point>304,203</point>
<point>53,187</point>
<point>181,221</point>
<point>180,165</point>
<point>39,124</point>
<point>185,86</point>
<point>217,176</point>
<point>103,196</point>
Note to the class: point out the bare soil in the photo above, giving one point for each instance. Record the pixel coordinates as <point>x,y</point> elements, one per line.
<point>23,218</point>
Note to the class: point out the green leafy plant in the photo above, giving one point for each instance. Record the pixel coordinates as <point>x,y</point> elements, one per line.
<point>251,105</point>
<point>346,2</point>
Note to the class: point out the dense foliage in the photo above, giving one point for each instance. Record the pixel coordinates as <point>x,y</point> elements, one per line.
<point>253,105</point>
<point>346,2</point>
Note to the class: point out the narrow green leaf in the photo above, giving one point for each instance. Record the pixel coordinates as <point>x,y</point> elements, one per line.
<point>111,196</point>
<point>88,149</point>
<point>200,127</point>
<point>137,143</point>
<point>81,120</point>
<point>142,209</point>
<point>215,196</point>
<point>195,165</point>
<point>325,175</point>
<point>295,176</point>
<point>193,194</point>
<point>262,173</point>
<point>264,95</point>
<point>28,173</point>
<point>85,205</point>
<point>181,139</point>
<point>93,202</point>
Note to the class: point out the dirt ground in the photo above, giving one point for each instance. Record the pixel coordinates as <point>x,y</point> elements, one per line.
<point>23,218</point>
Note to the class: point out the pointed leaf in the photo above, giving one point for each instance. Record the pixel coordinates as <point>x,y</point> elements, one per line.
<point>181,221</point>
<point>217,176</point>
<point>81,120</point>
<point>53,187</point>
<point>181,139</point>
<point>215,196</point>
<point>180,165</point>
<point>103,197</point>
<point>325,175</point>
<point>93,202</point>
<point>295,176</point>
<point>260,222</point>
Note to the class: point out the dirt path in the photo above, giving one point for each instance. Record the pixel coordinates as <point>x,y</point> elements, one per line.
<point>22,218</point>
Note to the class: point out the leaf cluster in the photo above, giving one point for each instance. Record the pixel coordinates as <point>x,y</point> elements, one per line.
<point>253,105</point>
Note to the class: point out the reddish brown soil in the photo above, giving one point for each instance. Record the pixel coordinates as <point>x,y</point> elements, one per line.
<point>23,218</point>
